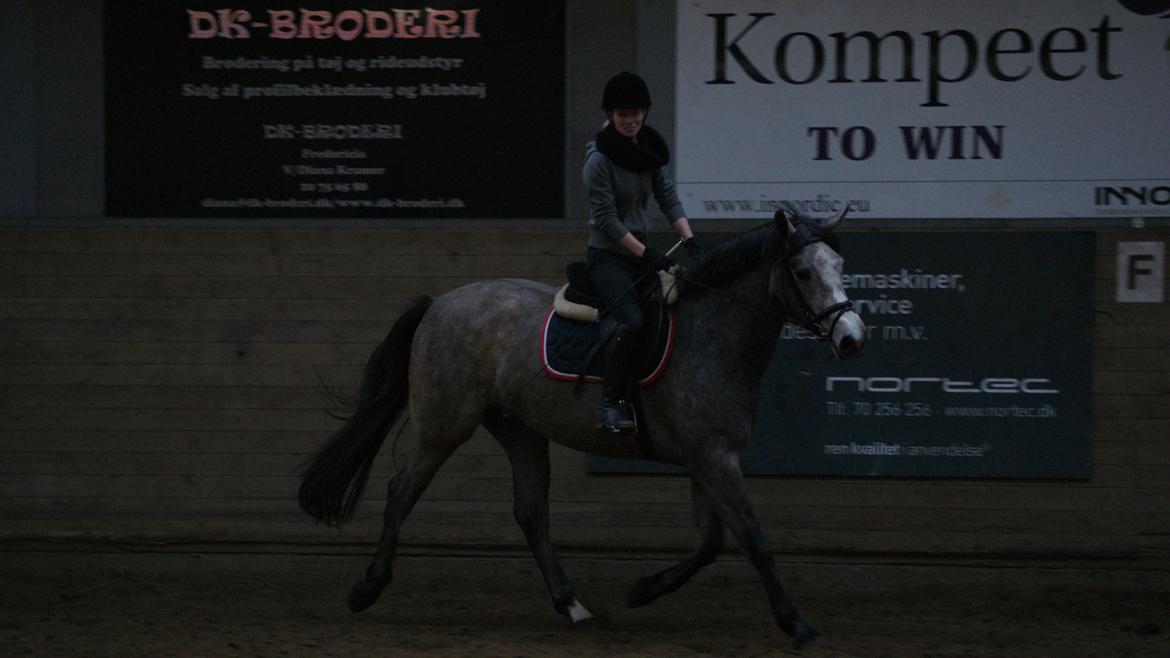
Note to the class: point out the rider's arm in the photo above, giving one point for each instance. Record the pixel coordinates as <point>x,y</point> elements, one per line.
<point>632,244</point>
<point>668,202</point>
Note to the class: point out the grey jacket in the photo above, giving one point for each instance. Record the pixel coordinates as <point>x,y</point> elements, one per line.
<point>619,200</point>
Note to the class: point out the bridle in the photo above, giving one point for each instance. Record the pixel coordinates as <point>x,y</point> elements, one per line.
<point>805,317</point>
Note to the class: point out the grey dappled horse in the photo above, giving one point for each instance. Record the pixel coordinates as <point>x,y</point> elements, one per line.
<point>470,357</point>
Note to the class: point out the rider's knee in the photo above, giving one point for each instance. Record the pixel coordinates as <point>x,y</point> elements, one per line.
<point>629,329</point>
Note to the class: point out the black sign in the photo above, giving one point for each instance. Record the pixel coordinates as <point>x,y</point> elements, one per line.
<point>978,364</point>
<point>335,109</point>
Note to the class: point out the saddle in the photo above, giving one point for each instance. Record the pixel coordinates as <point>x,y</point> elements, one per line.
<point>578,299</point>
<point>574,329</point>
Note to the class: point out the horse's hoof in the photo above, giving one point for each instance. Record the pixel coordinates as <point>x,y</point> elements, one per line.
<point>579,616</point>
<point>583,624</point>
<point>363,595</point>
<point>641,593</point>
<point>803,635</point>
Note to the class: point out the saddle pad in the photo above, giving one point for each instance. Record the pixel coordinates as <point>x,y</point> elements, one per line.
<point>565,345</point>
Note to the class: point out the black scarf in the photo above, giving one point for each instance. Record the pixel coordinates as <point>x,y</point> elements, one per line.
<point>648,153</point>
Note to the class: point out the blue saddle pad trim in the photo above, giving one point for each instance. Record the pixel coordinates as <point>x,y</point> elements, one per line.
<point>565,344</point>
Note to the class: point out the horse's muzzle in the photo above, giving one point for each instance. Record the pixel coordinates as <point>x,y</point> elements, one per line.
<point>848,337</point>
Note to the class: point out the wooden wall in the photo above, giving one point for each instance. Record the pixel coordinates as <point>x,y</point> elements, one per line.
<point>165,384</point>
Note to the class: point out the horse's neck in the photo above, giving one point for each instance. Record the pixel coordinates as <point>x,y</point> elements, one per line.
<point>734,328</point>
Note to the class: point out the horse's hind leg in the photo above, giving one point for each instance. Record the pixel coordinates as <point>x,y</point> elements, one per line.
<point>434,447</point>
<point>528,454</point>
<point>721,477</point>
<point>710,528</point>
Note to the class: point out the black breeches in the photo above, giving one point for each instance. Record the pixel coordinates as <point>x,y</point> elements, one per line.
<point>614,277</point>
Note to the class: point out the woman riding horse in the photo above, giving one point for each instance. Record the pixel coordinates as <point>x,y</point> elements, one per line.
<point>624,165</point>
<point>468,358</point>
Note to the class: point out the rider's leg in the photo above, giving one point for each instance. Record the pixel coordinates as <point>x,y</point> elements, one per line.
<point>615,414</point>
<point>614,276</point>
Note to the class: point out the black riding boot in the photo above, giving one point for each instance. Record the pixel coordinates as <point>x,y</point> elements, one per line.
<point>615,414</point>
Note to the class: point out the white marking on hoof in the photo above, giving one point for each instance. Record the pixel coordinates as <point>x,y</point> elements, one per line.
<point>578,613</point>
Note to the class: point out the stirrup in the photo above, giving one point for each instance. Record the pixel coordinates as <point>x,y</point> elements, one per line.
<point>617,418</point>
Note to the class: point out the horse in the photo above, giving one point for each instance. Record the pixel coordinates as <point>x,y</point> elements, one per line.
<point>468,357</point>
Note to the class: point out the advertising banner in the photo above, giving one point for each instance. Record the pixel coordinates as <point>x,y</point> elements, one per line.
<point>922,109</point>
<point>335,109</point>
<point>978,363</point>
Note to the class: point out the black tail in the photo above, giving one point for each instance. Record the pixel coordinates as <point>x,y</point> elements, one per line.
<point>335,477</point>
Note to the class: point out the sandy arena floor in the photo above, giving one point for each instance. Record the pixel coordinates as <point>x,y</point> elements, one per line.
<point>64,600</point>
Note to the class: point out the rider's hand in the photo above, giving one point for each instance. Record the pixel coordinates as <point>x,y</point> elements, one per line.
<point>655,260</point>
<point>694,249</point>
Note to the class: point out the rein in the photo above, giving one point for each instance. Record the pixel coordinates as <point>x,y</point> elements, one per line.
<point>637,282</point>
<point>731,297</point>
<point>807,319</point>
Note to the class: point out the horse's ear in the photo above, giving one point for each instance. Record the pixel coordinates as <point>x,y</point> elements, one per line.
<point>783,218</point>
<point>830,223</point>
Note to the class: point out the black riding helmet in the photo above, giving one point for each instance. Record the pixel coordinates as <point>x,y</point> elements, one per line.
<point>625,90</point>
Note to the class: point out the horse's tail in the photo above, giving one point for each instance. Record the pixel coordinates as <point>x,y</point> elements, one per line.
<point>336,475</point>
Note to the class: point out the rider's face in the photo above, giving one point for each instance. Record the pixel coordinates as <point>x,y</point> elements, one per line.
<point>627,120</point>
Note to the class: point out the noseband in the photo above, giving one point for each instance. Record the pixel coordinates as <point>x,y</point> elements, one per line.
<point>806,317</point>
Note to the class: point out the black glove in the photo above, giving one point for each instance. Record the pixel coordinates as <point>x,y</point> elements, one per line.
<point>693,247</point>
<point>654,260</point>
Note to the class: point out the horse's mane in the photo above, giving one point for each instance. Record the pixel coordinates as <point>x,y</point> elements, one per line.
<point>732,259</point>
<point>745,253</point>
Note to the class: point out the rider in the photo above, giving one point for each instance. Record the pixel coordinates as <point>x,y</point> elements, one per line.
<point>624,166</point>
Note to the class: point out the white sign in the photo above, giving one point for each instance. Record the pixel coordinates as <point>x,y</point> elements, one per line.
<point>1141,270</point>
<point>923,109</point>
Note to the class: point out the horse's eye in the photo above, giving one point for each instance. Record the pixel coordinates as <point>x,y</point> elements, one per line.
<point>803,273</point>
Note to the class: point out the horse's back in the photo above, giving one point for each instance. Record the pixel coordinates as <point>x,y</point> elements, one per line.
<point>473,333</point>
<point>483,304</point>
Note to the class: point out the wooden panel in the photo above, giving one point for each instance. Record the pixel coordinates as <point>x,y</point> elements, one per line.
<point>244,241</point>
<point>1137,429</point>
<point>168,384</point>
<point>374,290</point>
<point>161,442</point>
<point>1131,383</point>
<point>1145,336</point>
<point>199,309</point>
<point>160,353</point>
<point>242,330</point>
<point>323,265</point>
<point>1132,406</point>
<point>184,374</point>
<point>169,397</point>
<point>1132,360</point>
<point>1133,314</point>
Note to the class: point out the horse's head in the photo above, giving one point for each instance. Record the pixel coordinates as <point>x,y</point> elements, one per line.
<point>806,280</point>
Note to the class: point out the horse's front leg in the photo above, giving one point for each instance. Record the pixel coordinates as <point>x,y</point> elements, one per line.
<point>720,476</point>
<point>528,454</point>
<point>710,528</point>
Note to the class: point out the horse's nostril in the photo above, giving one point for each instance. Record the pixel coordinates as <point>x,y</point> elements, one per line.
<point>848,347</point>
